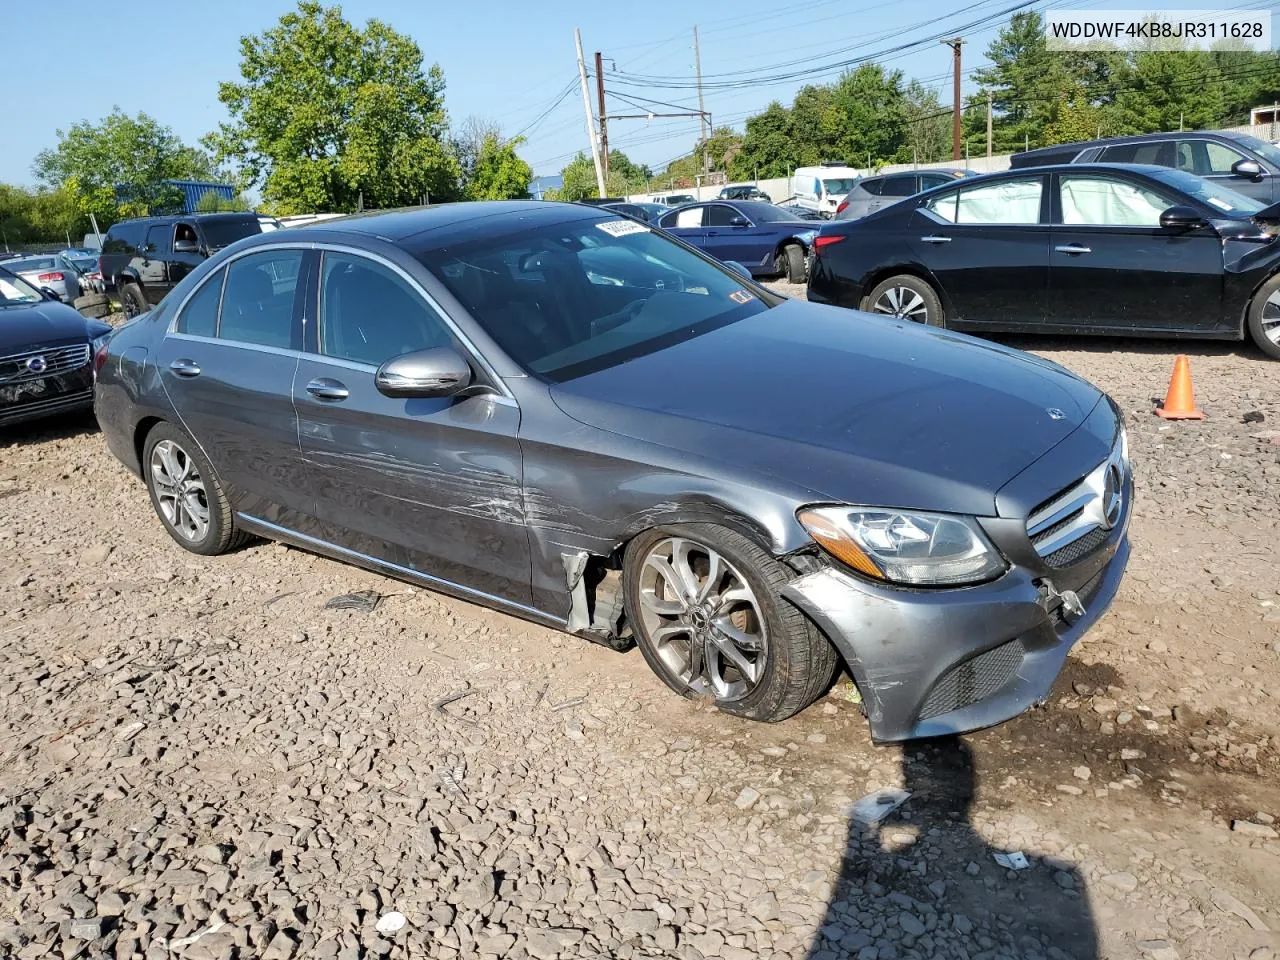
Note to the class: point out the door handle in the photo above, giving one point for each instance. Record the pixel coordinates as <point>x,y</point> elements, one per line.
<point>185,368</point>
<point>935,239</point>
<point>1073,248</point>
<point>326,388</point>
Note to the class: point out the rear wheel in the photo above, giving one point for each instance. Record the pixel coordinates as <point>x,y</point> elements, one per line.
<point>907,297</point>
<point>704,604</point>
<point>791,263</point>
<point>132,300</point>
<point>1264,318</point>
<point>186,495</point>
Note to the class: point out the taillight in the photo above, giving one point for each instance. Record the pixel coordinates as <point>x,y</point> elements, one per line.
<point>49,277</point>
<point>99,358</point>
<point>844,205</point>
<point>821,241</point>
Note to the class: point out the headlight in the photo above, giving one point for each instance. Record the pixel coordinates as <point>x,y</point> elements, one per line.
<point>905,546</point>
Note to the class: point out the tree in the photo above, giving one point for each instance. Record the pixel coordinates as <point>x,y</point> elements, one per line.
<point>579,179</point>
<point>212,202</point>
<point>327,114</point>
<point>1072,118</point>
<point>497,172</point>
<point>1025,81</point>
<point>466,141</point>
<point>134,153</point>
<point>927,124</point>
<point>767,147</point>
<point>1170,90</point>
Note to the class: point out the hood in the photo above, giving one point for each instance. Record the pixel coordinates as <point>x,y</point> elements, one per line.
<point>844,406</point>
<point>36,324</point>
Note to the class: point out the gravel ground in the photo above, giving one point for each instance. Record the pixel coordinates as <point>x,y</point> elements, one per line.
<point>198,760</point>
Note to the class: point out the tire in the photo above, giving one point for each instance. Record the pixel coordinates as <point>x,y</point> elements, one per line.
<point>93,305</point>
<point>132,300</point>
<point>96,313</point>
<point>791,263</point>
<point>792,662</point>
<point>166,444</point>
<point>1264,318</point>
<point>907,297</point>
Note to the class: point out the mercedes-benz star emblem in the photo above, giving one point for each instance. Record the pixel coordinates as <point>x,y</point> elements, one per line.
<point>1054,413</point>
<point>1112,496</point>
<point>37,364</point>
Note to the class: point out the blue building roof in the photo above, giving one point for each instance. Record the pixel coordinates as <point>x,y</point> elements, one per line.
<point>192,191</point>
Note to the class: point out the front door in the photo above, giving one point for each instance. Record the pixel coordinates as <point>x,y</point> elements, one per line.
<point>1215,161</point>
<point>1114,267</point>
<point>182,262</point>
<point>988,247</point>
<point>432,485</point>
<point>153,263</point>
<point>227,367</point>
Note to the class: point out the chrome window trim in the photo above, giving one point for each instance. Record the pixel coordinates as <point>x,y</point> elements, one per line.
<point>239,344</point>
<point>407,572</point>
<point>466,341</point>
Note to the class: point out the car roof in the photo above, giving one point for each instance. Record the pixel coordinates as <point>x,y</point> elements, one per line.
<point>474,219</point>
<point>1080,145</point>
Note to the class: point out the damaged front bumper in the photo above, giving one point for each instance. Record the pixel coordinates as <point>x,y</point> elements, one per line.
<point>935,662</point>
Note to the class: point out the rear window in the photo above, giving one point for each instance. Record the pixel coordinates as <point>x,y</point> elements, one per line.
<point>223,233</point>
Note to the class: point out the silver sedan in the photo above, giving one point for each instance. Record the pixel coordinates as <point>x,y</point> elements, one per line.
<point>54,271</point>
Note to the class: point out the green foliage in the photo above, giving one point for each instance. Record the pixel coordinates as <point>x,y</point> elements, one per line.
<point>327,112</point>
<point>211,202</point>
<point>497,172</point>
<point>579,180</point>
<point>767,148</point>
<point>40,216</point>
<point>136,153</point>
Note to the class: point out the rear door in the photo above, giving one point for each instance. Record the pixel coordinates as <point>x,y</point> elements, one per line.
<point>153,264</point>
<point>988,246</point>
<point>687,223</point>
<point>1113,267</point>
<point>227,365</point>
<point>433,485</point>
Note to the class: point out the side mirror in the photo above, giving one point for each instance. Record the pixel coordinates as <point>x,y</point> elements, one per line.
<point>437,372</point>
<point>1180,218</point>
<point>1250,169</point>
<point>738,268</point>
<point>737,221</point>
<point>186,246</point>
<point>51,294</point>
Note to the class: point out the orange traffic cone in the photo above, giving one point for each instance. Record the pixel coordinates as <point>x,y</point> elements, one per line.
<point>1180,401</point>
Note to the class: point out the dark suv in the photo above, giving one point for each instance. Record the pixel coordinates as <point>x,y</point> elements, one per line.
<point>144,258</point>
<point>744,191</point>
<point>1243,163</point>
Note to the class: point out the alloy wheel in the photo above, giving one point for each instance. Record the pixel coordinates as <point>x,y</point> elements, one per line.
<point>702,619</point>
<point>1270,319</point>
<point>902,302</point>
<point>180,490</point>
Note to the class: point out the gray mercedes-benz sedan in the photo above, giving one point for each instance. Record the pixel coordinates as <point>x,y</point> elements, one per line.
<point>569,416</point>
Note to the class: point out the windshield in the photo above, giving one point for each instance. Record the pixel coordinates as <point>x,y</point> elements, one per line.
<point>14,290</point>
<point>1231,204</point>
<point>569,299</point>
<point>1268,151</point>
<point>839,186</point>
<point>222,233</point>
<point>84,264</point>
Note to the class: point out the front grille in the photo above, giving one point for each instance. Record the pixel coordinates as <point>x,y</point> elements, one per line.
<point>974,680</point>
<point>1072,524</point>
<point>32,409</point>
<point>16,367</point>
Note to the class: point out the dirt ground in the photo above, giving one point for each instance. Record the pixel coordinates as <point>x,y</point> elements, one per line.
<point>197,759</point>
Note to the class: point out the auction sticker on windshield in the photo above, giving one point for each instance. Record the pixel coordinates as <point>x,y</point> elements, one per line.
<point>741,296</point>
<point>620,228</point>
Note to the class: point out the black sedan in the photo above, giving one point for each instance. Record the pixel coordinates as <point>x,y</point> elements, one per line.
<point>568,415</point>
<point>47,353</point>
<point>1082,249</point>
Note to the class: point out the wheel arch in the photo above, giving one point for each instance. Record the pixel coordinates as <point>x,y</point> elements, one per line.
<point>919,271</point>
<point>140,434</point>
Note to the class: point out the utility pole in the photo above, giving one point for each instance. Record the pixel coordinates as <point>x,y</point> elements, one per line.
<point>955,43</point>
<point>988,124</point>
<point>604,128</point>
<point>586,106</point>
<point>702,114</point>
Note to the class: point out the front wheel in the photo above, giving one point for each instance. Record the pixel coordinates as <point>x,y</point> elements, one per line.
<point>1264,318</point>
<point>909,298</point>
<point>705,607</point>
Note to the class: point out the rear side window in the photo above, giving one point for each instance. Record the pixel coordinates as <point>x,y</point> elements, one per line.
<point>200,315</point>
<point>687,218</point>
<point>123,238</point>
<point>1006,202</point>
<point>899,186</point>
<point>1161,153</point>
<point>873,186</point>
<point>257,302</point>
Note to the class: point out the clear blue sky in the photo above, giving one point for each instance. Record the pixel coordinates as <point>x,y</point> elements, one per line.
<point>502,60</point>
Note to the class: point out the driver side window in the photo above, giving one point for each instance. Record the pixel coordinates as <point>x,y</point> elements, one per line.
<point>720,215</point>
<point>1102,201</point>
<point>370,314</point>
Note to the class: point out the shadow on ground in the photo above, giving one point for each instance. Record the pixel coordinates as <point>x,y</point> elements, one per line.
<point>924,882</point>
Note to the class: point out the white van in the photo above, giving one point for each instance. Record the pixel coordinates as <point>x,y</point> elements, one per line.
<point>822,188</point>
